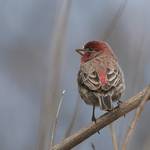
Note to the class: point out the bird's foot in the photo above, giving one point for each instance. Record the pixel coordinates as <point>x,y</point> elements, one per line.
<point>119,103</point>
<point>94,120</point>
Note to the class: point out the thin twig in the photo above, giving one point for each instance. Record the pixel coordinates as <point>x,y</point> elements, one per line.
<point>56,119</point>
<point>114,138</point>
<point>102,121</point>
<point>134,121</point>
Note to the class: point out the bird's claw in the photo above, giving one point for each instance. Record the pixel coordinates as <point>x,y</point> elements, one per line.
<point>93,119</point>
<point>119,103</point>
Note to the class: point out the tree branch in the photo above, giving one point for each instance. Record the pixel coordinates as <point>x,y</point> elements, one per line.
<point>135,120</point>
<point>102,121</point>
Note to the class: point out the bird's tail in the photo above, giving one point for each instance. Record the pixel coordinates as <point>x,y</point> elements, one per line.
<point>105,102</point>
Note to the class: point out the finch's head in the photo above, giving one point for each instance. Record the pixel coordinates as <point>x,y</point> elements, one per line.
<point>90,49</point>
<point>97,46</point>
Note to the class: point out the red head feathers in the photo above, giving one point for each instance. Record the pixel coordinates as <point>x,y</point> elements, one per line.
<point>93,48</point>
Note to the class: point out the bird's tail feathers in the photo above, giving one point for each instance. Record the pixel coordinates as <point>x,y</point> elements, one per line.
<point>105,102</point>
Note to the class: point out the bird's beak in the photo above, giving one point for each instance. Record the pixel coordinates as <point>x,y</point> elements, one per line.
<point>81,51</point>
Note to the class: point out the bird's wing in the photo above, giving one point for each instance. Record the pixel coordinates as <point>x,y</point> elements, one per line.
<point>113,76</point>
<point>103,75</point>
<point>88,77</point>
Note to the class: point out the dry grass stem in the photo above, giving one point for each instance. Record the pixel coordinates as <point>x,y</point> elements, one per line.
<point>115,20</point>
<point>50,100</point>
<point>56,119</point>
<point>114,137</point>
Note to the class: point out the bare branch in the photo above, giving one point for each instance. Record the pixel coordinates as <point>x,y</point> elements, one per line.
<point>102,121</point>
<point>135,119</point>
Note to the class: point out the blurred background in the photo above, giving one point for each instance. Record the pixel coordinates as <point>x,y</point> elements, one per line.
<point>38,61</point>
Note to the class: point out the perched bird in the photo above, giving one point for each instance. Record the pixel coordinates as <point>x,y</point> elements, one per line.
<point>100,78</point>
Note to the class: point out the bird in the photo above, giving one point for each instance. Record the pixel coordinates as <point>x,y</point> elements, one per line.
<point>100,78</point>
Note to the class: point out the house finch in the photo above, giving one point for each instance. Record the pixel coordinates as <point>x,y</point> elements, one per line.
<point>100,78</point>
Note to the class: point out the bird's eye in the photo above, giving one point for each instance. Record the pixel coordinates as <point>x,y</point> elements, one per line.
<point>89,49</point>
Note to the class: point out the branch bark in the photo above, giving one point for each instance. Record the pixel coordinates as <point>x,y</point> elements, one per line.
<point>132,126</point>
<point>102,121</point>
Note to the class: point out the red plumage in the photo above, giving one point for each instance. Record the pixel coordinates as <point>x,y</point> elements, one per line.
<point>100,78</point>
